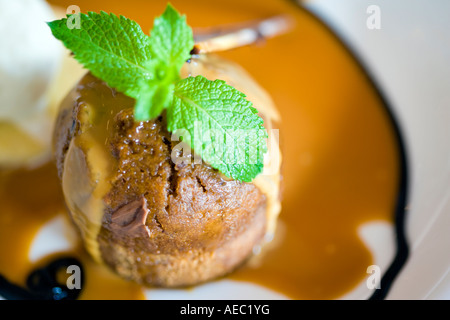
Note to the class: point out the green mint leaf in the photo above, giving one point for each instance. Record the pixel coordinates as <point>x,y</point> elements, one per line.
<point>156,94</point>
<point>232,137</point>
<point>113,48</point>
<point>152,101</point>
<point>170,42</point>
<point>171,39</point>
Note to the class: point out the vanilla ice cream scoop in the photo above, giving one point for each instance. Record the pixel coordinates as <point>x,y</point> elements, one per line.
<point>31,64</point>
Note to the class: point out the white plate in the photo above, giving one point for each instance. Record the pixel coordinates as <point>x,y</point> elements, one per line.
<point>408,59</point>
<point>408,56</point>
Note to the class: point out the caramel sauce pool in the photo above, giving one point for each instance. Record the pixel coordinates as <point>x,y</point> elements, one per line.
<point>29,199</point>
<point>340,158</point>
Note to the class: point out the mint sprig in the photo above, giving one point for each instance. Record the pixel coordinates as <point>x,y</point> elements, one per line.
<point>113,48</point>
<point>147,68</point>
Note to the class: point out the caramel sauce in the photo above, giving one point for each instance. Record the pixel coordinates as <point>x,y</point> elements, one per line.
<point>340,159</point>
<point>29,199</point>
